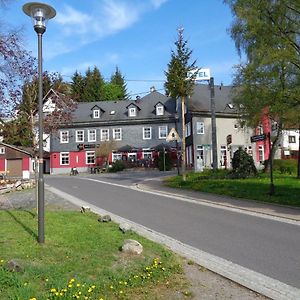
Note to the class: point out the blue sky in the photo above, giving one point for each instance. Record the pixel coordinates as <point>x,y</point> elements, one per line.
<point>135,35</point>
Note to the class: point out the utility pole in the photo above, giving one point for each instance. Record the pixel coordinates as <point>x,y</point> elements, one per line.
<point>213,124</point>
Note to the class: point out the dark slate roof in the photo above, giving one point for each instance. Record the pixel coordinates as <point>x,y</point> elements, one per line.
<point>200,100</point>
<point>146,105</point>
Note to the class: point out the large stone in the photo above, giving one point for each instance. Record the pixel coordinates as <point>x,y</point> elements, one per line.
<point>14,266</point>
<point>124,227</point>
<point>132,247</point>
<point>105,218</point>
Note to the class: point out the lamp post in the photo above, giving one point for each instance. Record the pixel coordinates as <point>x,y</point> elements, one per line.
<point>40,14</point>
<point>213,124</point>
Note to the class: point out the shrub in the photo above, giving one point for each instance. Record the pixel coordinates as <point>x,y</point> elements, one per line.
<point>242,165</point>
<point>285,166</point>
<point>117,166</point>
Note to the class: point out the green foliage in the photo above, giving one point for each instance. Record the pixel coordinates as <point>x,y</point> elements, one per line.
<point>242,165</point>
<point>117,166</point>
<point>92,87</point>
<point>178,84</point>
<point>164,163</point>
<point>287,166</point>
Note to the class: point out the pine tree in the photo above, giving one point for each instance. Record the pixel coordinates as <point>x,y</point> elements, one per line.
<point>77,86</point>
<point>178,81</point>
<point>93,85</point>
<point>118,79</point>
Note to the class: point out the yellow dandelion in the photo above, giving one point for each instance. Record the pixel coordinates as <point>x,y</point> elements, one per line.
<point>121,292</point>
<point>53,290</point>
<point>72,280</point>
<point>111,287</point>
<point>2,260</point>
<point>32,299</point>
<point>93,286</point>
<point>47,279</point>
<point>70,285</point>
<point>90,290</point>
<point>78,284</point>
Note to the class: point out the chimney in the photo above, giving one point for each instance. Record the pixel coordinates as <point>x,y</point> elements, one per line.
<point>152,89</point>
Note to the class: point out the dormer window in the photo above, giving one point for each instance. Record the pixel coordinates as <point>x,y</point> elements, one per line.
<point>96,113</point>
<point>159,110</point>
<point>132,112</point>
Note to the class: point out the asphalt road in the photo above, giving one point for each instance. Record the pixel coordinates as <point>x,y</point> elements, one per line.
<point>266,246</point>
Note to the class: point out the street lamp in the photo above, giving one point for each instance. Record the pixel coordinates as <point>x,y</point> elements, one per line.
<point>40,14</point>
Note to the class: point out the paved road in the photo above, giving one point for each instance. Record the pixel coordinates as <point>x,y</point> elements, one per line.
<point>263,245</point>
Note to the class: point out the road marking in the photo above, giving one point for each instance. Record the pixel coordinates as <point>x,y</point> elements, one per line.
<point>255,281</point>
<point>139,188</point>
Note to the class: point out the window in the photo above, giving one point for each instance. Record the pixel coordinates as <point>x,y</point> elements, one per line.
<point>64,137</point>
<point>223,156</point>
<point>200,127</point>
<point>159,110</point>
<point>249,151</point>
<point>132,112</point>
<point>90,157</point>
<point>79,136</point>
<point>260,129</point>
<point>187,129</point>
<point>92,135</point>
<point>96,113</point>
<point>64,158</point>
<point>104,135</point>
<point>116,156</point>
<point>261,154</point>
<point>117,134</point>
<point>2,150</point>
<point>292,139</point>
<point>200,152</point>
<point>147,133</point>
<point>147,155</point>
<point>162,132</point>
<point>132,157</point>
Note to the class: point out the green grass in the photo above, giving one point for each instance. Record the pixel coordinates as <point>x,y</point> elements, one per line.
<point>81,258</point>
<point>287,187</point>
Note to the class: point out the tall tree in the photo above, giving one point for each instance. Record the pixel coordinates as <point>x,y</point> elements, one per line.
<point>93,85</point>
<point>118,79</point>
<point>267,32</point>
<point>77,86</point>
<point>179,83</point>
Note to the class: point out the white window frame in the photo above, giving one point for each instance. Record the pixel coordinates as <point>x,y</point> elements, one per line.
<point>62,156</point>
<point>132,111</point>
<point>223,155</point>
<point>116,156</point>
<point>132,155</point>
<point>147,153</point>
<point>292,139</point>
<point>160,110</point>
<point>200,127</point>
<point>161,130</point>
<point>261,153</point>
<point>96,113</point>
<point>90,135</point>
<point>188,129</point>
<point>102,138</point>
<point>64,139</point>
<point>88,155</point>
<point>77,135</point>
<point>2,150</point>
<point>117,134</point>
<point>144,133</point>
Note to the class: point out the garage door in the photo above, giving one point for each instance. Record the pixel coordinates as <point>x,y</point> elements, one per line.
<point>14,166</point>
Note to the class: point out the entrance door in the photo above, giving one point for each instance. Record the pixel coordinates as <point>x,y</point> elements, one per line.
<point>14,168</point>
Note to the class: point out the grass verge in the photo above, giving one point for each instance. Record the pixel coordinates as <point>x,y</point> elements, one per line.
<point>287,187</point>
<point>81,259</point>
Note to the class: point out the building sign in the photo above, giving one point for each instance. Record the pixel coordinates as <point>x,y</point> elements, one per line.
<point>257,138</point>
<point>202,74</point>
<point>87,146</point>
<point>173,136</point>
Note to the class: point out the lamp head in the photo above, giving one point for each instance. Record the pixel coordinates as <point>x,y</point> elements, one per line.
<point>40,13</point>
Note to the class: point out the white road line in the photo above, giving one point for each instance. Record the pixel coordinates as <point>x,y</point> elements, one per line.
<point>255,281</point>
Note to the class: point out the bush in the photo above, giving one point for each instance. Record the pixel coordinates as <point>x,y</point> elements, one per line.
<point>168,161</point>
<point>242,165</point>
<point>117,166</point>
<point>285,166</point>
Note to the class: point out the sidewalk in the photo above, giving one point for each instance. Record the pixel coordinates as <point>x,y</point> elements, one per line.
<point>287,212</point>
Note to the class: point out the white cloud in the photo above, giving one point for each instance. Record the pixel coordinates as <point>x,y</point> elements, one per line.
<point>158,3</point>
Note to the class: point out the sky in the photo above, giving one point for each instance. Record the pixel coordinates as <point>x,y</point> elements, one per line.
<point>136,36</point>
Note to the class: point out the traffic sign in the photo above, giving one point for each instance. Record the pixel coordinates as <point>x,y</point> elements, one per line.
<point>173,136</point>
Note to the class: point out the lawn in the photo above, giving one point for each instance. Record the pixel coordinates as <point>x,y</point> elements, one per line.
<point>287,187</point>
<point>81,259</point>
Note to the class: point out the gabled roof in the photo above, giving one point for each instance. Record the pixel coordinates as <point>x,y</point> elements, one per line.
<point>201,99</point>
<point>16,148</point>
